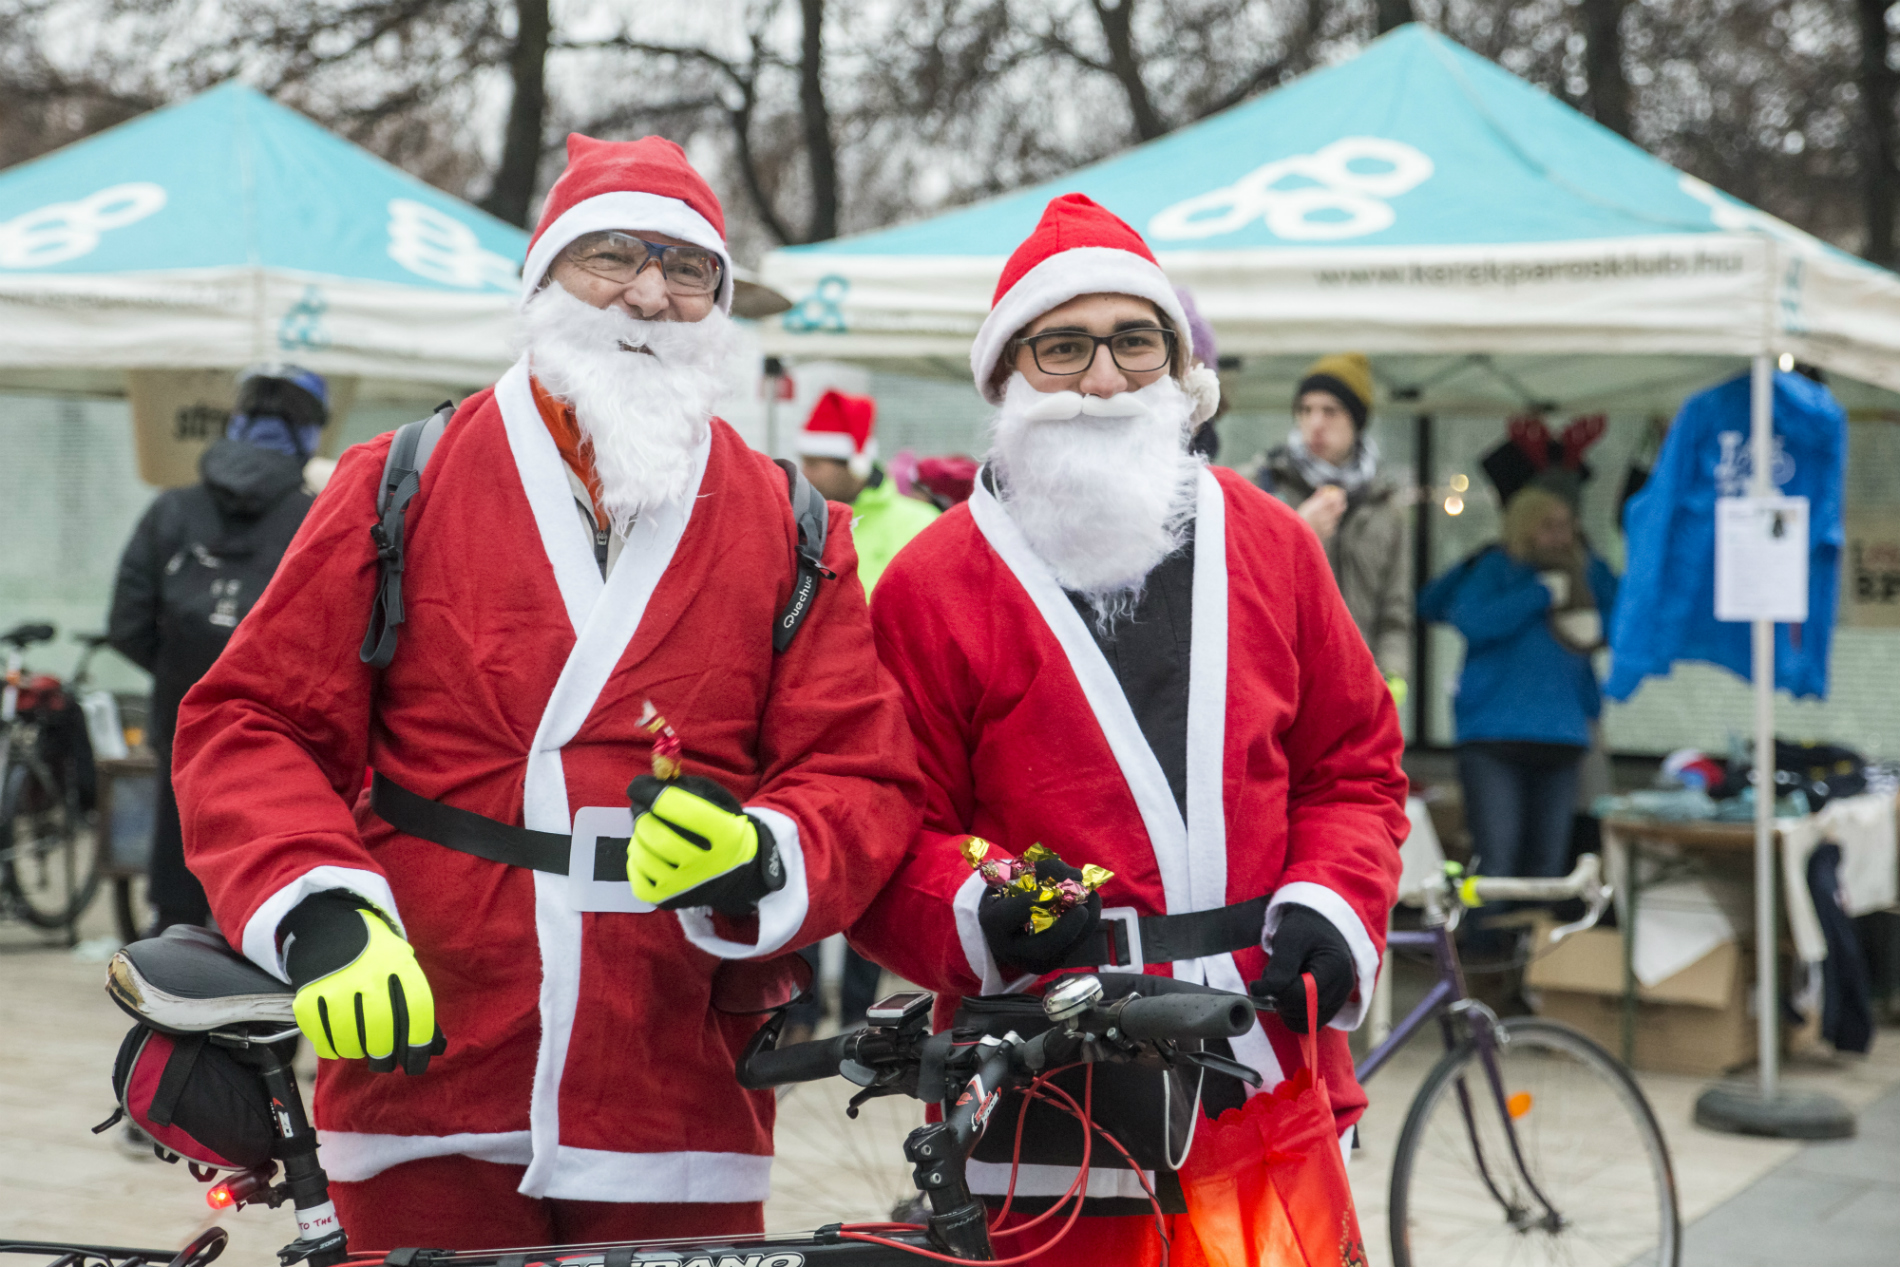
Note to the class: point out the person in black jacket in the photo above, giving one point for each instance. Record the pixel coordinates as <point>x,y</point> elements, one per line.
<point>197,562</point>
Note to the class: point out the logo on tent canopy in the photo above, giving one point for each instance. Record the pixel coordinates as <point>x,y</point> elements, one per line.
<point>63,231</point>
<point>435,245</point>
<point>1336,192</point>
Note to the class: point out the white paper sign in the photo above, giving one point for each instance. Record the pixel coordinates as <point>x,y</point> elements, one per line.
<point>1761,559</point>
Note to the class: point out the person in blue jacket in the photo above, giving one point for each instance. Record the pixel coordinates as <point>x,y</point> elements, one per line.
<point>1532,610</point>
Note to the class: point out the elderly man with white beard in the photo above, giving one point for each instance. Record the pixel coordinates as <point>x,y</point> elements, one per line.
<point>1139,662</point>
<point>591,550</point>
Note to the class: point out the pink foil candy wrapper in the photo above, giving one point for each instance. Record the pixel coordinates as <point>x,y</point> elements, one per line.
<point>1018,875</point>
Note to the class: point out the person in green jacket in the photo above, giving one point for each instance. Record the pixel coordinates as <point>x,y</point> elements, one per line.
<point>838,450</point>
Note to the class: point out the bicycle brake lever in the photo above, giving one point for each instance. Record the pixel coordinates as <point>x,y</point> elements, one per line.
<point>1217,1063</point>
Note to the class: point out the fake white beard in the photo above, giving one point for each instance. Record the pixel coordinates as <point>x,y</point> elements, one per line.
<point>1102,488</point>
<point>641,416</point>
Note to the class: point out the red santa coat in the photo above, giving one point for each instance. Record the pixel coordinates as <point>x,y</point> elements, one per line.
<point>581,1044</point>
<point>1024,736</point>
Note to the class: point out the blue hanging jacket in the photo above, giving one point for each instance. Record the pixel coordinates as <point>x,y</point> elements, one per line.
<point>1667,612</point>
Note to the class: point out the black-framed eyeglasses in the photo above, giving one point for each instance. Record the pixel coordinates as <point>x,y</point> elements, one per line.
<point>1137,350</point>
<point>620,257</point>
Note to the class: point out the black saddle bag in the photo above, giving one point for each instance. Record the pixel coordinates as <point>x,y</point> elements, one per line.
<point>195,1099</point>
<point>1149,1106</point>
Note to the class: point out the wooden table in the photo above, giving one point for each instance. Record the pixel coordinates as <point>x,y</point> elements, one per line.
<point>1628,836</point>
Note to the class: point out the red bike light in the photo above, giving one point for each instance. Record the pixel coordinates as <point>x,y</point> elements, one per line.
<point>220,1197</point>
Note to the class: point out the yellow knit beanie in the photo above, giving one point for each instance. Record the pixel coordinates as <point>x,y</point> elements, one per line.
<point>1347,375</point>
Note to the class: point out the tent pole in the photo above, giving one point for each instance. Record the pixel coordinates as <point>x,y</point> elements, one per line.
<point>1762,449</point>
<point>1766,1108</point>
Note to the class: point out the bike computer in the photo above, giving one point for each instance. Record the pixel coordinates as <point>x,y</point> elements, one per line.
<point>894,1009</point>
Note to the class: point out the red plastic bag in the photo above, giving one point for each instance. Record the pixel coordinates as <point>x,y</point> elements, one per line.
<point>1266,1183</point>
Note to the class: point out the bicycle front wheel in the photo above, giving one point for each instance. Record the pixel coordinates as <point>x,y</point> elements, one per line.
<point>1589,1145</point>
<point>49,864</point>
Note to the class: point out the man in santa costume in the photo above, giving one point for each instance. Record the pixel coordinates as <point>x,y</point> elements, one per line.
<point>1141,662</point>
<point>837,448</point>
<point>589,543</point>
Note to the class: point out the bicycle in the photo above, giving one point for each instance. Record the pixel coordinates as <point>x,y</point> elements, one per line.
<point>1527,1141</point>
<point>49,861</point>
<point>188,981</point>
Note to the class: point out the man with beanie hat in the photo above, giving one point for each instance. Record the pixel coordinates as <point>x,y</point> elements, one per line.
<point>1328,470</point>
<point>592,571</point>
<point>838,449</point>
<point>1141,662</point>
<point>197,563</point>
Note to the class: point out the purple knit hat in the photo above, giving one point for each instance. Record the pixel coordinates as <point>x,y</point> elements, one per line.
<point>1200,334</point>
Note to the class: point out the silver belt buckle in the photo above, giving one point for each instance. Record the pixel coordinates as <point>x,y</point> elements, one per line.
<point>1131,922</point>
<point>584,892</point>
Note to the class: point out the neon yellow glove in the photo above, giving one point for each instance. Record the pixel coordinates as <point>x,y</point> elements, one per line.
<point>1400,691</point>
<point>360,993</point>
<point>693,845</point>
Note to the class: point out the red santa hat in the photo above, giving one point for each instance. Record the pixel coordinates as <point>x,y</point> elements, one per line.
<point>634,186</point>
<point>840,427</point>
<point>1078,248</point>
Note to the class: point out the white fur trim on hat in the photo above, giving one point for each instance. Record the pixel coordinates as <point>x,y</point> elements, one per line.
<point>1202,385</point>
<point>630,212</point>
<point>830,444</point>
<point>1084,270</point>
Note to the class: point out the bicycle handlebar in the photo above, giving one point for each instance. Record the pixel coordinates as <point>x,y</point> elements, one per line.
<point>1582,882</point>
<point>1185,1016</point>
<point>801,1062</point>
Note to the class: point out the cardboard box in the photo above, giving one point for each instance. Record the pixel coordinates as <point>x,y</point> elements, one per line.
<point>1695,1022</point>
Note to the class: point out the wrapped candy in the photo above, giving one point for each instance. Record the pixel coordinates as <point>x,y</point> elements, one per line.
<point>1053,900</point>
<point>667,748</point>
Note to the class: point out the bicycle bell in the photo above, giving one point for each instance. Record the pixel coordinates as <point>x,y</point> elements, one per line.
<point>1071,998</point>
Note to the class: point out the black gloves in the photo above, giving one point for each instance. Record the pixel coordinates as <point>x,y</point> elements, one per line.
<point>1005,923</point>
<point>694,845</point>
<point>1306,941</point>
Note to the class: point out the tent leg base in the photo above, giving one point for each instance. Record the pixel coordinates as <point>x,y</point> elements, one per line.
<point>1738,1108</point>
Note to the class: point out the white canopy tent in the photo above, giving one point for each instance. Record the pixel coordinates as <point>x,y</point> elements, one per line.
<point>1493,244</point>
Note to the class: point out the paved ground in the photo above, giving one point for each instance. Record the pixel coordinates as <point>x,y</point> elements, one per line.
<point>1749,1201</point>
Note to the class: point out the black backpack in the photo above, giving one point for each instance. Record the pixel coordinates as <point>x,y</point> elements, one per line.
<point>409,455</point>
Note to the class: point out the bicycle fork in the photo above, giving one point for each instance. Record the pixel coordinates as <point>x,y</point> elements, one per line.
<point>1485,1037</point>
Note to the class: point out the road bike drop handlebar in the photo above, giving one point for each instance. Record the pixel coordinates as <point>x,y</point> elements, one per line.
<point>889,1059</point>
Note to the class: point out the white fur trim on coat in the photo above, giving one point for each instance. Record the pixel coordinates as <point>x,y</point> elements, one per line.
<point>1086,270</point>
<point>605,615</point>
<point>629,212</point>
<point>781,914</point>
<point>259,938</point>
<point>1190,854</point>
<point>1338,913</point>
<point>591,1174</point>
<point>353,1156</point>
<point>976,948</point>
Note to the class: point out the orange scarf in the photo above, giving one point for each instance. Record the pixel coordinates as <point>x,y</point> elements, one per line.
<point>566,430</point>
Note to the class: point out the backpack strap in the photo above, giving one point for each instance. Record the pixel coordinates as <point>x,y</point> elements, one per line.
<point>814,520</point>
<point>409,454</point>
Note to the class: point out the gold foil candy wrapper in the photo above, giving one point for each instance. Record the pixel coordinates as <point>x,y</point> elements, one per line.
<point>1039,853</point>
<point>1041,919</point>
<point>1094,877</point>
<point>974,849</point>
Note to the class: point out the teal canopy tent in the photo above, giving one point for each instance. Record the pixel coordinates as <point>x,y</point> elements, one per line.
<point>1416,199</point>
<point>229,229</point>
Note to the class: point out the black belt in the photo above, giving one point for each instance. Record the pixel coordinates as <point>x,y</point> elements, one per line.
<point>468,832</point>
<point>1171,938</point>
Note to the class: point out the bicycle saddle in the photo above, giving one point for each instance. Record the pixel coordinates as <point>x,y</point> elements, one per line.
<point>27,635</point>
<point>190,980</point>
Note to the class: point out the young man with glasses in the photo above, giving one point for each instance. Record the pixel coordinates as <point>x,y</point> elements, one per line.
<point>589,546</point>
<point>1140,662</point>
